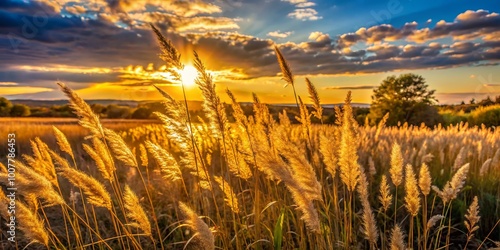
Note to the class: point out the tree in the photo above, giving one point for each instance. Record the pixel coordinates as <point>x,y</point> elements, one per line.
<point>486,102</point>
<point>5,107</point>
<point>115,111</point>
<point>141,113</point>
<point>19,110</point>
<point>407,99</point>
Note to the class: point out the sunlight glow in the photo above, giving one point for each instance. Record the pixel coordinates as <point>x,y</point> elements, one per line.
<point>188,75</point>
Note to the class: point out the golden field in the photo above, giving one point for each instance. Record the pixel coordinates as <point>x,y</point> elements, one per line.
<point>257,183</point>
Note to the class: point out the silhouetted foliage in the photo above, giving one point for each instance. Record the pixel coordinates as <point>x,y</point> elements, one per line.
<point>407,99</point>
<point>5,107</point>
<point>20,110</point>
<point>115,111</point>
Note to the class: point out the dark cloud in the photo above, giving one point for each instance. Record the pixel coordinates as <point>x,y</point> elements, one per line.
<point>33,78</point>
<point>468,25</point>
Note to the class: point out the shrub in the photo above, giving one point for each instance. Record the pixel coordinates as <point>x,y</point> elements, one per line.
<point>451,117</point>
<point>489,116</point>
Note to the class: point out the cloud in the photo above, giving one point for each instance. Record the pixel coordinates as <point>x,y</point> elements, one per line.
<point>279,34</point>
<point>295,1</point>
<point>89,52</point>
<point>303,10</point>
<point>179,8</point>
<point>466,26</point>
<point>305,4</point>
<point>8,91</point>
<point>383,51</point>
<point>8,84</point>
<point>350,87</point>
<point>454,98</point>
<point>307,14</point>
<point>378,33</point>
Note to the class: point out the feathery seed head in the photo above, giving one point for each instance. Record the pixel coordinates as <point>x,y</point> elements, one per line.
<point>397,239</point>
<point>424,179</point>
<point>285,68</point>
<point>96,192</point>
<point>202,232</point>
<point>62,141</point>
<point>385,197</point>
<point>314,96</point>
<point>472,218</point>
<point>412,198</point>
<point>135,212</point>
<point>396,169</point>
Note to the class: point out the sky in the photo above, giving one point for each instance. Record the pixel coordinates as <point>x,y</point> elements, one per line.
<point>105,49</point>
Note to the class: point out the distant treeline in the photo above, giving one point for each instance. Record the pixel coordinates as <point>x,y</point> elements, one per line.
<point>146,111</point>
<point>449,114</point>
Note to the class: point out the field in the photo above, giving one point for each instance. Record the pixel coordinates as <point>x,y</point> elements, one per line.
<point>256,183</point>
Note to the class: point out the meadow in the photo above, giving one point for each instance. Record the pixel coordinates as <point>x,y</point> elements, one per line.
<point>256,183</point>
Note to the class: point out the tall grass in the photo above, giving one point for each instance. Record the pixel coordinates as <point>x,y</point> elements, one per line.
<point>257,183</point>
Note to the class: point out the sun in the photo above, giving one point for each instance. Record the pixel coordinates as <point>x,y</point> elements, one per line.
<point>188,75</point>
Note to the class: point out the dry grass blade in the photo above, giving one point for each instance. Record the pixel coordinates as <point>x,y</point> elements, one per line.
<point>211,102</point>
<point>368,218</point>
<point>381,126</point>
<point>101,166</point>
<point>412,198</point>
<point>168,165</point>
<point>397,239</point>
<point>285,68</point>
<point>173,109</point>
<point>472,218</point>
<point>313,94</point>
<point>32,227</point>
<point>87,118</point>
<point>96,193</point>
<point>202,232</point>
<point>433,220</point>
<point>385,197</point>
<point>485,167</point>
<point>229,196</point>
<point>169,54</point>
<point>459,161</point>
<point>62,141</point>
<point>453,187</point>
<point>424,179</point>
<point>348,157</point>
<point>119,148</point>
<point>396,169</point>
<point>135,212</point>
<point>143,155</point>
<point>30,182</point>
<point>238,113</point>
<point>327,149</point>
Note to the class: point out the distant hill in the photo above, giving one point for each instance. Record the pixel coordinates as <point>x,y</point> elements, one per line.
<point>357,105</point>
<point>193,105</point>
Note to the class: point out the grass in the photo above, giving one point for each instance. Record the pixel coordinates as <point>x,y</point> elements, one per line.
<point>257,183</point>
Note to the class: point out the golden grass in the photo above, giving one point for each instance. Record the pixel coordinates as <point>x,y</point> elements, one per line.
<point>257,183</point>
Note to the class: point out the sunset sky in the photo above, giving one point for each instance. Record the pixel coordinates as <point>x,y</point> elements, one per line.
<point>105,49</point>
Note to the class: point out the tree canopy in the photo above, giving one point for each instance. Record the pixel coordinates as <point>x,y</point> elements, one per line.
<point>407,98</point>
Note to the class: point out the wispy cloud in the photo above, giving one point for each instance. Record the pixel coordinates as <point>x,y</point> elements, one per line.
<point>279,34</point>
<point>307,14</point>
<point>8,83</point>
<point>350,87</point>
<point>303,10</point>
